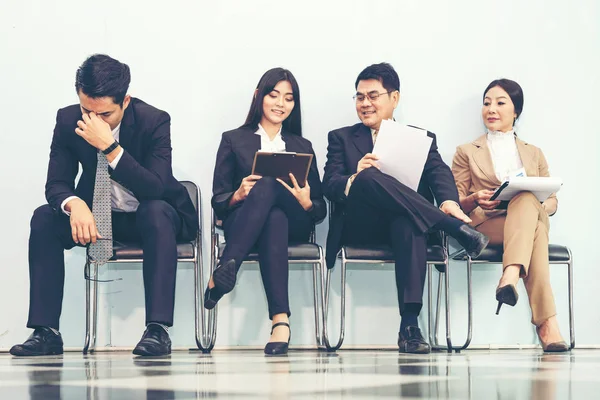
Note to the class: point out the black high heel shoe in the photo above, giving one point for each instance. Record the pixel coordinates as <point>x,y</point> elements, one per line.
<point>278,348</point>
<point>506,295</point>
<point>224,279</point>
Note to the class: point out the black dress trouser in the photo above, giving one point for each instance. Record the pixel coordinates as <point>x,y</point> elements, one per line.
<point>268,219</point>
<point>381,210</point>
<point>155,224</point>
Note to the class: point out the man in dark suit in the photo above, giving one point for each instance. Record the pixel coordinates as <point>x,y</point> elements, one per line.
<point>374,208</point>
<point>142,202</point>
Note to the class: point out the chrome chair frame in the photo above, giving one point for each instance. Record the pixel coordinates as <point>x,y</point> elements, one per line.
<point>318,264</point>
<point>462,256</point>
<point>344,261</point>
<point>91,283</point>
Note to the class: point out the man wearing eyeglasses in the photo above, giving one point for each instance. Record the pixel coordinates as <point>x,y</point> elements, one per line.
<point>372,208</point>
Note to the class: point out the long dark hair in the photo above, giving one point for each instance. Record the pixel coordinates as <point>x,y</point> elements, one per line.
<point>266,84</point>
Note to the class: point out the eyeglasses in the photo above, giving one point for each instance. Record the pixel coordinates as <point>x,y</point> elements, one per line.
<point>372,96</point>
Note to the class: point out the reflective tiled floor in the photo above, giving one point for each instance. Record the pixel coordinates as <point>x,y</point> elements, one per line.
<point>515,374</point>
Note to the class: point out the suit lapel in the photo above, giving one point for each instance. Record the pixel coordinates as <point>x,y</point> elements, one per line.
<point>127,130</point>
<point>527,158</point>
<point>363,140</point>
<point>483,159</point>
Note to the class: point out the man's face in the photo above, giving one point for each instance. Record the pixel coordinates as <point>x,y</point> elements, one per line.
<point>104,107</point>
<point>373,104</point>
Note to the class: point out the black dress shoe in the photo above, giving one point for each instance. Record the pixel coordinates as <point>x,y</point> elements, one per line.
<point>155,342</point>
<point>278,348</point>
<point>42,342</point>
<point>224,279</point>
<point>472,240</point>
<point>410,340</point>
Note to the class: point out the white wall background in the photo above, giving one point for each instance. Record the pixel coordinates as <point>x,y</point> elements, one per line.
<point>201,60</point>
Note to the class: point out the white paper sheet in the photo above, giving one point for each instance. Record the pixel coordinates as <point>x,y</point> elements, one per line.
<point>402,152</point>
<point>541,187</point>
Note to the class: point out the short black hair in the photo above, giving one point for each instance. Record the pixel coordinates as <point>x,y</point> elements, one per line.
<point>514,90</point>
<point>266,84</point>
<point>384,73</point>
<point>103,76</point>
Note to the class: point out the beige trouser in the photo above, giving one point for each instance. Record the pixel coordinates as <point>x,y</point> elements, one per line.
<point>524,233</point>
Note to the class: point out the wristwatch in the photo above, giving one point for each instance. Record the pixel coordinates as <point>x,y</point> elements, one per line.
<point>110,148</point>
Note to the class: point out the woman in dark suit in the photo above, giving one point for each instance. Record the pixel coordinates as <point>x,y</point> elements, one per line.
<point>522,225</point>
<point>264,212</point>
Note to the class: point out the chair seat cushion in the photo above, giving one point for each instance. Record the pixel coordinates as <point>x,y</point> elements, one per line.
<point>493,254</point>
<point>296,252</point>
<point>133,251</point>
<point>435,253</point>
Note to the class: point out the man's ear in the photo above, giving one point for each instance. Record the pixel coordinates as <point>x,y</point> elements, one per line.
<point>126,101</point>
<point>395,98</point>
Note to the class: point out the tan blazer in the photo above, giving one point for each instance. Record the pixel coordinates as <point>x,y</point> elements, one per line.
<point>473,170</point>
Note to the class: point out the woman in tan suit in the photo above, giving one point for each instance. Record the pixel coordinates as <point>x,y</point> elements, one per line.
<point>521,225</point>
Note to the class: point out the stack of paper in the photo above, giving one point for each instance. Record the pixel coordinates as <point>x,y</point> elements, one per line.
<point>402,152</point>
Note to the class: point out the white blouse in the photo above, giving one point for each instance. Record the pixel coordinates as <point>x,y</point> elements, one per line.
<point>505,155</point>
<point>266,144</point>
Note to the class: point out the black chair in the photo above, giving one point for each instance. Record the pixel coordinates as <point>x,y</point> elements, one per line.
<point>437,255</point>
<point>298,253</point>
<point>493,255</point>
<point>132,253</point>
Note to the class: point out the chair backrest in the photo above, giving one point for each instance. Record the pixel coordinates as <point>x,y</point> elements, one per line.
<point>194,192</point>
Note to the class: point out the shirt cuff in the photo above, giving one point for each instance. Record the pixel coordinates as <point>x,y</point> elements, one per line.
<point>348,184</point>
<point>449,201</point>
<point>113,163</point>
<point>64,203</point>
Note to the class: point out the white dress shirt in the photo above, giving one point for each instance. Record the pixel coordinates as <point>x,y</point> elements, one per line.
<point>276,145</point>
<point>505,155</point>
<point>121,199</point>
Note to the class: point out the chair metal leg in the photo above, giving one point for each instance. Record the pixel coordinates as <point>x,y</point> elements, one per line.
<point>447,281</point>
<point>434,340</point>
<point>86,344</point>
<point>438,307</point>
<point>95,306</point>
<point>199,313</point>
<point>318,297</point>
<point>327,286</point>
<point>571,316</point>
<point>429,305</point>
<point>91,306</point>
<point>211,326</point>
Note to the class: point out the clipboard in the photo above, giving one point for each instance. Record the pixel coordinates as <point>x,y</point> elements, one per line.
<point>541,187</point>
<point>279,165</point>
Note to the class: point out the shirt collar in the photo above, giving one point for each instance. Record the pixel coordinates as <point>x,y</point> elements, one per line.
<point>262,133</point>
<point>117,131</point>
<point>498,136</point>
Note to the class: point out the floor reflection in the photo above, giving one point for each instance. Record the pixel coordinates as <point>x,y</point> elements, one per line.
<point>347,374</point>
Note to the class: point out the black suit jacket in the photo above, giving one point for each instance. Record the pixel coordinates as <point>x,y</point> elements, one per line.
<point>235,158</point>
<point>346,147</point>
<point>144,168</point>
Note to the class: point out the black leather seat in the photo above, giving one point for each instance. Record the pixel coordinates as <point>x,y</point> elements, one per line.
<point>493,254</point>
<point>133,251</point>
<point>296,252</point>
<point>435,253</point>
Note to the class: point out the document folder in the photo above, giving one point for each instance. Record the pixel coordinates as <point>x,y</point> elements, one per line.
<point>279,165</point>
